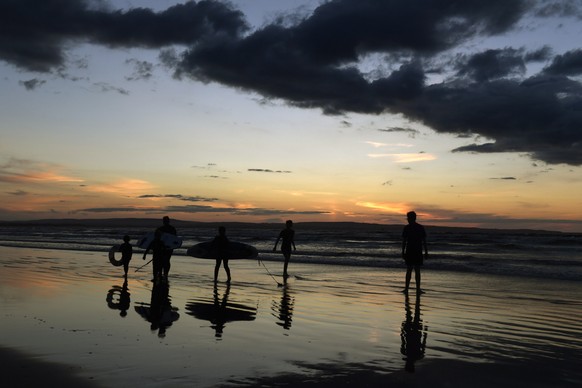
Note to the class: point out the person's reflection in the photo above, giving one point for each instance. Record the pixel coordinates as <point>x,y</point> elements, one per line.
<point>160,312</point>
<point>118,299</point>
<point>413,335</point>
<point>219,311</point>
<point>284,309</point>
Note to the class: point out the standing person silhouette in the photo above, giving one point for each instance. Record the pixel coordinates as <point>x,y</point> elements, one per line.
<point>413,243</point>
<point>288,237</point>
<point>167,254</point>
<point>219,246</point>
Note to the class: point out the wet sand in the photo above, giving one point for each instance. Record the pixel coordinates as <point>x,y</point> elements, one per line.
<point>69,316</point>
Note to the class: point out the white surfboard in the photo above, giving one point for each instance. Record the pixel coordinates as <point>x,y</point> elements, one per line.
<point>170,241</point>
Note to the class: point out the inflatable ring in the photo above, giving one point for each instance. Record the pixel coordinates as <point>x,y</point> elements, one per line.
<point>112,259</point>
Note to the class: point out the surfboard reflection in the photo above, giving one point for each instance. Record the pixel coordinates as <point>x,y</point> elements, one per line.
<point>118,298</point>
<point>283,310</point>
<point>219,311</point>
<point>159,312</point>
<point>413,335</point>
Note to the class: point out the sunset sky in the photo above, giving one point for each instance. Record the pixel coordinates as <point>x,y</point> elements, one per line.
<point>469,112</point>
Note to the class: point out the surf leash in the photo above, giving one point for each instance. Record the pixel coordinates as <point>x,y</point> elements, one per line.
<point>143,265</point>
<point>269,272</point>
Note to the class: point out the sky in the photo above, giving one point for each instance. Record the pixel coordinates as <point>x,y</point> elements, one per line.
<point>468,112</point>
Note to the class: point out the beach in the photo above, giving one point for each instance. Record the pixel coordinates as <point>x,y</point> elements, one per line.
<point>69,316</point>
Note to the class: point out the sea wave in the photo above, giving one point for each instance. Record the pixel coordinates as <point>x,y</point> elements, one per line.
<point>514,253</point>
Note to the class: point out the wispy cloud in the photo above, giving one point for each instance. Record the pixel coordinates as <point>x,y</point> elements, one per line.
<point>406,158</point>
<point>388,207</point>
<point>29,171</point>
<point>128,187</point>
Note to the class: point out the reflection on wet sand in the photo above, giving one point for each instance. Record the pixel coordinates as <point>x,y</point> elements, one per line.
<point>283,310</point>
<point>413,335</point>
<point>159,312</point>
<point>118,298</point>
<point>219,311</point>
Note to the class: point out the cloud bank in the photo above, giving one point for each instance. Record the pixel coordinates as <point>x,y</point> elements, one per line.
<point>315,62</point>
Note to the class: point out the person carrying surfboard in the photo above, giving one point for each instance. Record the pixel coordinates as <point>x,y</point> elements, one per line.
<point>167,253</point>
<point>219,248</point>
<point>158,249</point>
<point>287,236</point>
<point>413,243</point>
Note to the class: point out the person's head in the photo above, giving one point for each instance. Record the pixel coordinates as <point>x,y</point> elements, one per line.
<point>411,216</point>
<point>166,220</point>
<point>221,230</point>
<point>126,238</point>
<point>289,223</point>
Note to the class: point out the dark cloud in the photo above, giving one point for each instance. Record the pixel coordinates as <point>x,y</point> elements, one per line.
<point>180,197</point>
<point>35,33</point>
<point>492,64</point>
<point>143,70</point>
<point>410,131</point>
<point>32,84</point>
<point>314,61</point>
<point>505,178</point>
<point>18,193</point>
<point>268,170</point>
<point>193,209</point>
<point>569,63</point>
<point>105,87</point>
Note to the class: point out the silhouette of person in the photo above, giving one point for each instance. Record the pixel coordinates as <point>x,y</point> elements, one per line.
<point>126,253</point>
<point>167,253</point>
<point>158,249</point>
<point>413,243</point>
<point>219,247</point>
<point>413,335</point>
<point>118,298</point>
<point>287,236</point>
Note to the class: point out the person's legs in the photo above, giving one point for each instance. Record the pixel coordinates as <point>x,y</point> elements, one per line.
<point>407,279</point>
<point>417,278</point>
<point>166,265</point>
<point>216,268</point>
<point>227,269</point>
<point>287,256</point>
<point>157,267</point>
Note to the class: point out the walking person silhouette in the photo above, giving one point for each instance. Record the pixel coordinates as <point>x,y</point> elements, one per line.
<point>287,236</point>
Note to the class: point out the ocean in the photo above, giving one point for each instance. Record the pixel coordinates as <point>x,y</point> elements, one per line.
<point>527,253</point>
<point>501,308</point>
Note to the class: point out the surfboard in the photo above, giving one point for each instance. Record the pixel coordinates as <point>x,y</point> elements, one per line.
<point>170,241</point>
<point>112,258</point>
<point>234,250</point>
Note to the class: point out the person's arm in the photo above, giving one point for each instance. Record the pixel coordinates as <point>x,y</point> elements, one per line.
<point>147,250</point>
<point>276,242</point>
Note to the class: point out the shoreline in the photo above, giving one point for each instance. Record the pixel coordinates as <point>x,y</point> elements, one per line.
<point>329,325</point>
